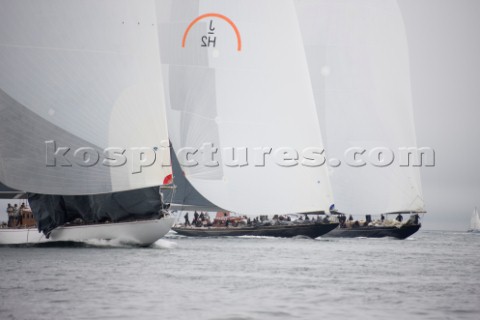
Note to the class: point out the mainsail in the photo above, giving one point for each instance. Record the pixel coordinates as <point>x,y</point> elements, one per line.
<point>81,97</point>
<point>82,109</point>
<point>358,61</point>
<point>238,78</point>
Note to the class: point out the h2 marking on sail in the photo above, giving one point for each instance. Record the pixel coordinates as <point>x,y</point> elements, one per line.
<point>211,38</point>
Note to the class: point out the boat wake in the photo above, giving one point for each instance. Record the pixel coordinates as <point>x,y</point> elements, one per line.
<point>302,238</point>
<point>115,243</point>
<point>93,243</point>
<point>164,244</point>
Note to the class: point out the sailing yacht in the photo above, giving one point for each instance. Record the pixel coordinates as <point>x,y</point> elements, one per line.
<point>184,197</point>
<point>358,61</point>
<point>238,86</point>
<point>83,119</point>
<point>475,222</point>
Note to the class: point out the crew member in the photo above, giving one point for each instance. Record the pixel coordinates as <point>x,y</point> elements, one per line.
<point>10,215</point>
<point>16,214</point>
<point>195,218</point>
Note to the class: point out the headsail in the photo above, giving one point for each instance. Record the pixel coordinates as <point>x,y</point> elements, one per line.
<point>182,195</point>
<point>81,97</point>
<point>236,77</point>
<point>358,61</point>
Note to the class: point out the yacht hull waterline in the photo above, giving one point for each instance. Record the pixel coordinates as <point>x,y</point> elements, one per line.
<point>141,233</point>
<point>285,231</point>
<point>21,236</point>
<point>402,232</point>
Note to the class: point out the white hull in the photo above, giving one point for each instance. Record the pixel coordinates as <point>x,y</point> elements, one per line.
<point>21,236</point>
<point>142,233</point>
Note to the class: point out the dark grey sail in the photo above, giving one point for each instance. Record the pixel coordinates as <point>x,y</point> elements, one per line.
<point>51,211</point>
<point>183,196</point>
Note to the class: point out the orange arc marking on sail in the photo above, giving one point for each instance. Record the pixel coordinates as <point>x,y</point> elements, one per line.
<point>216,15</point>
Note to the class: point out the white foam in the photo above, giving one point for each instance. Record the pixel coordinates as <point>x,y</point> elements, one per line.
<point>164,244</point>
<point>115,243</point>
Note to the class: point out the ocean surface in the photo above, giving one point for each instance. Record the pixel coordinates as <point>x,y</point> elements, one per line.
<point>432,275</point>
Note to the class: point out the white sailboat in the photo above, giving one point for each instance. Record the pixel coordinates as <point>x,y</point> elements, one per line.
<point>475,222</point>
<point>140,232</point>
<point>358,62</point>
<point>83,115</point>
<point>137,232</point>
<point>237,80</point>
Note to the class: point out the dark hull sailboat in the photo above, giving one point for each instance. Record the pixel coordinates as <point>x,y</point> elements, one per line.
<point>377,229</point>
<point>380,111</point>
<point>186,197</point>
<point>311,230</point>
<point>402,232</point>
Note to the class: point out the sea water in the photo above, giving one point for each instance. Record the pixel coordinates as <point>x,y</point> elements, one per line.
<point>432,275</point>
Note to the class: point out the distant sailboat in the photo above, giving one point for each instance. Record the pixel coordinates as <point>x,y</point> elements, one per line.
<point>238,78</point>
<point>475,222</point>
<point>83,121</point>
<point>358,61</point>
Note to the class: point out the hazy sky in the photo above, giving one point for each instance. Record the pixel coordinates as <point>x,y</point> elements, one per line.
<point>444,49</point>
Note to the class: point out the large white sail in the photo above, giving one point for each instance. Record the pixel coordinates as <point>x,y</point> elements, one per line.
<point>358,61</point>
<point>83,75</point>
<point>236,76</point>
